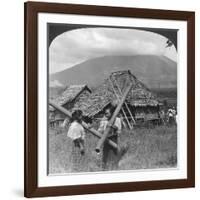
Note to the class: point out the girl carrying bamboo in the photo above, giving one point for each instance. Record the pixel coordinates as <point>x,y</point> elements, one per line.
<point>111,156</point>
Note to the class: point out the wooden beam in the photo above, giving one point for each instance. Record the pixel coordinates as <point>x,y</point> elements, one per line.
<point>129,125</point>
<point>91,130</point>
<point>125,102</point>
<point>112,120</point>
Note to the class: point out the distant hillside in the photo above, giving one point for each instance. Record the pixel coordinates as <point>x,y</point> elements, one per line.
<point>154,71</point>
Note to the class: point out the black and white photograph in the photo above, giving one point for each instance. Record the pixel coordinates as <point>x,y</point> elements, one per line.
<point>112,98</point>
<point>109,101</point>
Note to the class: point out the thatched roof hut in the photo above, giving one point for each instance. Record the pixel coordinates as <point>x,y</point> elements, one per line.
<point>115,85</point>
<point>70,95</point>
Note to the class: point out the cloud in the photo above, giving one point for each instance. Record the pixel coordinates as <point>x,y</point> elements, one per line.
<point>76,46</point>
<point>55,83</point>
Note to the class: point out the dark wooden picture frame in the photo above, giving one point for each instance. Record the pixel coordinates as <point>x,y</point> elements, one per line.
<point>32,9</point>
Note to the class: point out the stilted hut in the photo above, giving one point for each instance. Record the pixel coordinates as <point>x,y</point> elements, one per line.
<point>140,105</point>
<point>72,95</point>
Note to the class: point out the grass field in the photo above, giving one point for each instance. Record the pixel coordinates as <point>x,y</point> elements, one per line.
<point>148,149</point>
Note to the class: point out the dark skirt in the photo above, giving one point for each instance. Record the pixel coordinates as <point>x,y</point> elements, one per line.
<point>110,155</point>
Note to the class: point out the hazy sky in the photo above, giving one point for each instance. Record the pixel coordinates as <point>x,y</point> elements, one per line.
<point>76,46</point>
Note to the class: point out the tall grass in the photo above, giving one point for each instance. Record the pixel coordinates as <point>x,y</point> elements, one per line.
<point>149,148</point>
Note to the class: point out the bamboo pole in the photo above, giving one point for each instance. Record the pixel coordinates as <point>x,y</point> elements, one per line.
<point>125,102</point>
<point>130,127</point>
<point>91,130</point>
<point>112,120</point>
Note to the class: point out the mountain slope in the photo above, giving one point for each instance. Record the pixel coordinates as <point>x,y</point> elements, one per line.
<point>154,71</point>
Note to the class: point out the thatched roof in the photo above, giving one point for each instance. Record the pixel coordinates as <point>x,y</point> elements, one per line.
<point>103,95</point>
<point>69,94</point>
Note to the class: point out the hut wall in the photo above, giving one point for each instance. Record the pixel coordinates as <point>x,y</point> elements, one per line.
<point>51,115</point>
<point>147,113</point>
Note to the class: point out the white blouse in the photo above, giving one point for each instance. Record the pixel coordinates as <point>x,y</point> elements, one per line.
<point>104,123</point>
<point>76,131</point>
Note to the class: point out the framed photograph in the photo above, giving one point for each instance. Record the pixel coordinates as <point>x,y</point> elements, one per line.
<point>109,99</point>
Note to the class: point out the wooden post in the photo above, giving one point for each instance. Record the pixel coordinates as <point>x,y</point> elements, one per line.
<point>129,125</point>
<point>91,130</point>
<point>125,102</point>
<point>112,120</point>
